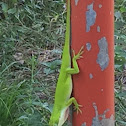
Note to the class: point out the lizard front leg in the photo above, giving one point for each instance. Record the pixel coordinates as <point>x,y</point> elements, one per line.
<point>75,68</point>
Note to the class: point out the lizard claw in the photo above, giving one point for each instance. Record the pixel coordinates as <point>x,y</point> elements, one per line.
<point>78,56</point>
<point>77,108</point>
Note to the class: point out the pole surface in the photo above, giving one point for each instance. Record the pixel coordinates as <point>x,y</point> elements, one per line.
<point>92,25</point>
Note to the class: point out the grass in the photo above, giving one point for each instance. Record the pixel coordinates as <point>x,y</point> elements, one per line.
<point>23,99</point>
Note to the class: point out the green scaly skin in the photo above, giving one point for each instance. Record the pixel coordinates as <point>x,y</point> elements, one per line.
<point>64,84</point>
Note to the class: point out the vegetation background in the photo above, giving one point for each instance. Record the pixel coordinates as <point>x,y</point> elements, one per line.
<point>31,39</point>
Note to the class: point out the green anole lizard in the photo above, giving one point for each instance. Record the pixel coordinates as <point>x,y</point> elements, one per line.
<point>64,85</point>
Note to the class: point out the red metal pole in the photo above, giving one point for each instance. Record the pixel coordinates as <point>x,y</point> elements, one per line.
<point>92,25</point>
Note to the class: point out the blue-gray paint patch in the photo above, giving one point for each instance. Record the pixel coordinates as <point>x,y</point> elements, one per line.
<point>91,76</point>
<point>76,2</point>
<point>101,120</point>
<point>90,17</point>
<point>84,124</point>
<point>100,6</point>
<point>98,29</point>
<point>103,57</point>
<point>88,46</point>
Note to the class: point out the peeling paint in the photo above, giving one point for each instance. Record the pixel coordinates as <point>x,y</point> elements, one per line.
<point>101,120</point>
<point>98,29</point>
<point>102,90</point>
<point>76,2</point>
<point>88,46</point>
<point>110,13</point>
<point>103,57</point>
<point>84,124</point>
<point>90,17</point>
<point>100,6</point>
<point>91,76</point>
